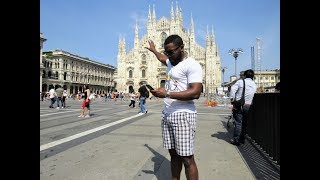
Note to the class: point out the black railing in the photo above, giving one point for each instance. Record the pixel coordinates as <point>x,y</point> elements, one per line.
<point>264,124</point>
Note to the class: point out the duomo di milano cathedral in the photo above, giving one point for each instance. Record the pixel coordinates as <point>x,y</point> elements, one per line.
<point>58,67</point>
<point>139,64</point>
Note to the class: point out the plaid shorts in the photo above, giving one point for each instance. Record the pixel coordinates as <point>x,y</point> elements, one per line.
<point>178,132</point>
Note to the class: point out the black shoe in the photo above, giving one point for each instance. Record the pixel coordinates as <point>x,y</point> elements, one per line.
<point>234,142</point>
<point>146,111</point>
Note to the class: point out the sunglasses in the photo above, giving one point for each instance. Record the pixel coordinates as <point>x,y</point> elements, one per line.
<point>171,52</point>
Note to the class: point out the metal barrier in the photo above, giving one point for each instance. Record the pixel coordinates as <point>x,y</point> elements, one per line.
<point>264,124</point>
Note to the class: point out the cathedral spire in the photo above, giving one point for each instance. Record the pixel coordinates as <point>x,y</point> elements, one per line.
<point>136,35</point>
<point>172,12</point>
<point>120,43</point>
<point>181,19</point>
<point>154,19</point>
<point>149,15</point>
<point>123,44</point>
<point>150,24</point>
<point>192,35</point>
<point>212,34</point>
<point>136,31</point>
<point>207,37</point>
<point>177,13</point>
<point>191,25</point>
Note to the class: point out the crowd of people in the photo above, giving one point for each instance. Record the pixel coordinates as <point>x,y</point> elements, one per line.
<point>58,96</point>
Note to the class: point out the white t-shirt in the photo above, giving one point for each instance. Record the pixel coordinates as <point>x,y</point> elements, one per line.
<point>178,78</point>
<point>65,93</point>
<point>51,93</point>
<point>132,96</point>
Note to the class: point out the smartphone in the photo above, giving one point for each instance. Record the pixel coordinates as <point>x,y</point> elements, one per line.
<point>149,87</point>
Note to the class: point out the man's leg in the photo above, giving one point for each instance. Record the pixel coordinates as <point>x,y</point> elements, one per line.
<point>88,109</point>
<point>64,101</point>
<point>176,164</point>
<point>52,102</point>
<point>184,129</point>
<point>142,107</point>
<point>82,109</point>
<point>81,113</point>
<point>237,129</point>
<point>244,124</point>
<point>145,106</point>
<point>58,102</point>
<point>190,167</point>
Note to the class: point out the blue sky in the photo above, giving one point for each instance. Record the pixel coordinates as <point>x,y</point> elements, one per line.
<point>92,28</point>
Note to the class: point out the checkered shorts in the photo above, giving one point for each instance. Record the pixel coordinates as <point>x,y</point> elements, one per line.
<point>178,132</point>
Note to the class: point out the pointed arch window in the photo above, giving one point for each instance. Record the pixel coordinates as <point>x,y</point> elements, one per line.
<point>143,73</point>
<point>143,59</point>
<point>130,73</point>
<point>163,37</point>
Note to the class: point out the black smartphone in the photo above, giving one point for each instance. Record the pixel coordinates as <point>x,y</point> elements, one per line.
<point>149,87</point>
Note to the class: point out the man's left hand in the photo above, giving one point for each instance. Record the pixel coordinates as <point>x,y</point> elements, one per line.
<point>160,92</point>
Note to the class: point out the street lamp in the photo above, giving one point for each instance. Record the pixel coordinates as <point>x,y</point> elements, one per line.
<point>235,53</point>
<point>223,70</point>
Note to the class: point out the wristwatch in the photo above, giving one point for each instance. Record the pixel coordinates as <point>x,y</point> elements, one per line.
<point>168,94</point>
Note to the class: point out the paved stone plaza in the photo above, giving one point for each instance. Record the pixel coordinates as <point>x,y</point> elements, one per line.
<point>102,147</point>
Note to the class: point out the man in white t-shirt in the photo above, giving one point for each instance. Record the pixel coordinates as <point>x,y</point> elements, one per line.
<point>52,96</point>
<point>65,95</point>
<point>183,84</point>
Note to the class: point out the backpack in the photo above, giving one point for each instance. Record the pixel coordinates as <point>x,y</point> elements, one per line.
<point>147,94</point>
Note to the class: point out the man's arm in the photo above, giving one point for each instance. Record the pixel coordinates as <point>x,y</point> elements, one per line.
<point>88,93</point>
<point>233,91</point>
<point>193,92</point>
<point>161,57</point>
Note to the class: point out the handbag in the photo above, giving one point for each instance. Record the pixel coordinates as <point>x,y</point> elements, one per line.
<point>238,105</point>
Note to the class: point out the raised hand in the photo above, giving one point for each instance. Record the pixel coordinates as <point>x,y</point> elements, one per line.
<point>151,47</point>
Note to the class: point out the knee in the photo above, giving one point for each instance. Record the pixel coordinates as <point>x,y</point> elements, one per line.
<point>187,161</point>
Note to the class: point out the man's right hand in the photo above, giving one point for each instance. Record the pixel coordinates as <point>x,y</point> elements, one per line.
<point>161,57</point>
<point>151,47</point>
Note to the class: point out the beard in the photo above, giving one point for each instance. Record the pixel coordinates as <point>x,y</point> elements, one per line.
<point>175,60</point>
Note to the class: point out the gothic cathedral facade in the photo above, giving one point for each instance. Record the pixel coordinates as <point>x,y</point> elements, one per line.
<point>139,65</point>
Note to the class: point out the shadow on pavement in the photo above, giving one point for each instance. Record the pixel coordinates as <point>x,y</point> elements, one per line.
<point>222,135</point>
<point>226,136</point>
<point>258,164</point>
<point>158,160</point>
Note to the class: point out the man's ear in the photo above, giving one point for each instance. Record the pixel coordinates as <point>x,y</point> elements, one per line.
<point>182,46</point>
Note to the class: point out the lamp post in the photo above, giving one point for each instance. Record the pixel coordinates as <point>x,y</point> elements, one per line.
<point>235,53</point>
<point>223,70</point>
